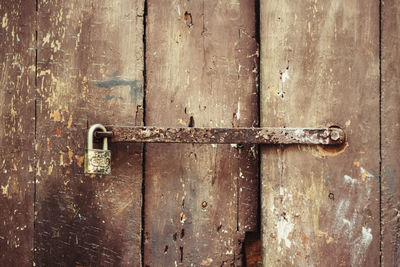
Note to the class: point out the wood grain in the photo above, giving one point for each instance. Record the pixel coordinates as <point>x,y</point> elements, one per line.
<point>390,132</point>
<point>90,70</point>
<point>17,131</point>
<point>320,67</point>
<point>201,66</point>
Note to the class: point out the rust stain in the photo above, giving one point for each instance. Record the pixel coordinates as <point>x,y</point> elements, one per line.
<point>207,262</point>
<point>363,174</point>
<point>305,240</point>
<point>330,151</point>
<point>79,160</point>
<point>58,132</point>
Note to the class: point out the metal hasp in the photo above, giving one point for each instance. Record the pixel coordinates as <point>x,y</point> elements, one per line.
<point>284,136</point>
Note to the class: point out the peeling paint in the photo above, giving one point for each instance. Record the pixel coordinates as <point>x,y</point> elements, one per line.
<point>56,115</point>
<point>365,174</point>
<point>238,111</point>
<point>69,122</point>
<point>5,189</point>
<point>348,180</point>
<point>350,214</point>
<point>284,228</point>
<point>46,39</point>
<point>4,21</point>
<point>285,76</point>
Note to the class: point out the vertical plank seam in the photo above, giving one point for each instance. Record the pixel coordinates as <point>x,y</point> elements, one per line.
<point>143,145</point>
<point>380,134</point>
<point>35,133</point>
<point>258,92</point>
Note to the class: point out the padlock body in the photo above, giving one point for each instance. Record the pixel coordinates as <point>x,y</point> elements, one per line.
<point>97,161</point>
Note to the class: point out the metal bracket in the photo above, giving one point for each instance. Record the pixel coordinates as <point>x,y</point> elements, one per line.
<point>266,135</point>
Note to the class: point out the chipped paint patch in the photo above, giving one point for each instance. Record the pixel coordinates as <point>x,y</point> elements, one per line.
<point>350,214</point>
<point>365,174</point>
<point>366,236</point>
<point>4,22</point>
<point>46,39</point>
<point>4,189</point>
<point>206,262</point>
<point>284,228</point>
<point>348,180</point>
<point>79,160</point>
<point>361,245</point>
<point>70,156</point>
<point>238,111</point>
<point>69,121</point>
<point>285,76</point>
<point>56,115</point>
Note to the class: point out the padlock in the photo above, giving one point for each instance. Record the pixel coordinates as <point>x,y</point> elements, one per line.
<point>97,161</point>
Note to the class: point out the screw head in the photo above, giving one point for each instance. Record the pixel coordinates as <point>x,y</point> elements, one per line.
<point>335,135</point>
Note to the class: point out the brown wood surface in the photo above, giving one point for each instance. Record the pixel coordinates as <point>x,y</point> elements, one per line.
<point>201,66</point>
<point>390,132</point>
<point>90,70</point>
<point>17,131</point>
<point>320,67</point>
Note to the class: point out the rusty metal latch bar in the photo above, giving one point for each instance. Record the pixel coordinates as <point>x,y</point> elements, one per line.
<point>266,135</point>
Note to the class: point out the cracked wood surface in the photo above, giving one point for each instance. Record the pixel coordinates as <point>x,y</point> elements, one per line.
<point>17,131</point>
<point>320,66</point>
<point>90,70</point>
<point>201,59</point>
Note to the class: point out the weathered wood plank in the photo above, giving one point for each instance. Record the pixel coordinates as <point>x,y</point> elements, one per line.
<point>390,132</point>
<point>17,131</point>
<point>320,66</point>
<point>90,71</point>
<point>201,65</point>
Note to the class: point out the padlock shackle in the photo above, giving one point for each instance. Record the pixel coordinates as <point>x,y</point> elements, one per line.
<point>93,128</point>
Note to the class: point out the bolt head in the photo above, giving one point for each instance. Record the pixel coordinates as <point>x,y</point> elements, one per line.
<point>335,135</point>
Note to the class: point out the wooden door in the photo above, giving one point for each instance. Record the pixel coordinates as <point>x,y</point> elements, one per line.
<point>70,64</point>
<point>66,65</point>
<point>327,63</point>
